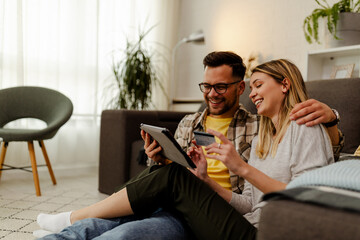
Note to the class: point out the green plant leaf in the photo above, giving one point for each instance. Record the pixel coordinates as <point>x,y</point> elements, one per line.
<point>331,14</point>
<point>356,7</point>
<point>307,29</point>
<point>334,17</point>
<point>321,5</point>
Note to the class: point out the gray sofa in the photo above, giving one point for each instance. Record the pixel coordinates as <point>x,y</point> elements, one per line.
<point>121,144</point>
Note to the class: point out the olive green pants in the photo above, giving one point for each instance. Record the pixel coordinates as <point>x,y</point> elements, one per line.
<point>174,187</point>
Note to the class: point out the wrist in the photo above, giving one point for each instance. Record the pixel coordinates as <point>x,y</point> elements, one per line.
<point>206,179</point>
<point>243,171</point>
<point>335,121</point>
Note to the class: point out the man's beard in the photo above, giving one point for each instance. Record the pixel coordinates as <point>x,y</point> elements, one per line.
<point>228,105</point>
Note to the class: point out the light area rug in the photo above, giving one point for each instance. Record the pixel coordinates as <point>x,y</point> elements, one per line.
<point>19,206</point>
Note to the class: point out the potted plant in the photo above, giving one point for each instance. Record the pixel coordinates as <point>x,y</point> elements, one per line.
<point>135,75</point>
<point>340,20</point>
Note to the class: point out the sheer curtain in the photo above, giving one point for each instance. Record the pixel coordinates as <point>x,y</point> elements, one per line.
<point>67,45</point>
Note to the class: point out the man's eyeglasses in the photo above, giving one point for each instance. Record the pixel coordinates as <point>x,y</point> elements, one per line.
<point>220,88</point>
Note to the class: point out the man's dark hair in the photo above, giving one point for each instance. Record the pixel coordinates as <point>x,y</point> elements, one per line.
<point>216,59</point>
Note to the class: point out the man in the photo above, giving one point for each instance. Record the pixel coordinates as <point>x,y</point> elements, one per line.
<point>222,86</point>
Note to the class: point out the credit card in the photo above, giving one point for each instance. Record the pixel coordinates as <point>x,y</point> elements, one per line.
<point>203,139</point>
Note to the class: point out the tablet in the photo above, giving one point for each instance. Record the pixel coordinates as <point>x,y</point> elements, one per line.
<point>171,148</point>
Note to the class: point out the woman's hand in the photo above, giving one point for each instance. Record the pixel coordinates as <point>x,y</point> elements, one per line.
<point>197,156</point>
<point>226,153</point>
<point>229,156</point>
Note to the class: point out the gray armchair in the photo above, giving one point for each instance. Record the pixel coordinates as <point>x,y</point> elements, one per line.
<point>44,104</point>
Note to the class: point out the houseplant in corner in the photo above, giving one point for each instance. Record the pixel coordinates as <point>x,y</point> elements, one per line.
<point>343,22</point>
<point>135,75</point>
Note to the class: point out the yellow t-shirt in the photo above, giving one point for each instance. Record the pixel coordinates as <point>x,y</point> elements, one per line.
<point>216,169</point>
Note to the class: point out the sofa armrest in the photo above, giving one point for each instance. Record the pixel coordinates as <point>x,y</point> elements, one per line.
<point>118,130</point>
<point>316,212</point>
<point>289,219</point>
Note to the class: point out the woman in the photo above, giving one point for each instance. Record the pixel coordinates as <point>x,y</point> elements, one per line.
<point>282,151</point>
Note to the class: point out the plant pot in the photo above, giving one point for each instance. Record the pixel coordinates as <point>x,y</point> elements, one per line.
<point>348,31</point>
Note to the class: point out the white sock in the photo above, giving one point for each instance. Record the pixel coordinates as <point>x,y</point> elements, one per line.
<point>54,223</point>
<point>41,233</point>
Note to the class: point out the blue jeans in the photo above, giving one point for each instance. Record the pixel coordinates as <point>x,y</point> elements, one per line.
<point>160,225</point>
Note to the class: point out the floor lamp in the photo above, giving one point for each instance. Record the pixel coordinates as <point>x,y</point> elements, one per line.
<point>196,37</point>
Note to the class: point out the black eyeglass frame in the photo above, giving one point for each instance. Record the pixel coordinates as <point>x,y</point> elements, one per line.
<point>226,85</point>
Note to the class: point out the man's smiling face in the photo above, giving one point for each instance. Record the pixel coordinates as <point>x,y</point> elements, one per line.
<point>222,105</point>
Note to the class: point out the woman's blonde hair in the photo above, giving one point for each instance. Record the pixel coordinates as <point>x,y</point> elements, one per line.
<point>279,70</point>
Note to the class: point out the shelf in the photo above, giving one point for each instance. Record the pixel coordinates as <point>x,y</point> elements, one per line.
<point>187,101</point>
<point>321,62</point>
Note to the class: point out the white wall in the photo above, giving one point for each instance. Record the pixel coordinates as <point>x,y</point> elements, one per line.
<point>270,28</point>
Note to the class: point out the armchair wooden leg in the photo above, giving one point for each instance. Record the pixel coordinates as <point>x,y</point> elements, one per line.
<point>34,168</point>
<point>2,156</point>
<point>46,157</point>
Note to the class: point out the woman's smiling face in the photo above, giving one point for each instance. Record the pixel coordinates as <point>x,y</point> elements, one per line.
<point>267,95</point>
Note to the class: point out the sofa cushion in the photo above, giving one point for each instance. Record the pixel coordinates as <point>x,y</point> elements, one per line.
<point>343,95</point>
<point>343,174</point>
